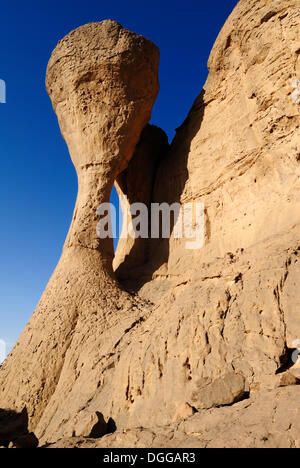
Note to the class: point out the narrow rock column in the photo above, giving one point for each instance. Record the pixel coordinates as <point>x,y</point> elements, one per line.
<point>103,81</point>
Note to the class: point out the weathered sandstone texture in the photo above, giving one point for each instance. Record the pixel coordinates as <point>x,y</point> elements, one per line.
<point>269,419</point>
<point>14,430</point>
<point>103,81</point>
<point>190,333</point>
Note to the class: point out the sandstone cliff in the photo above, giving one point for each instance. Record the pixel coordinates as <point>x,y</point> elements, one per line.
<point>180,331</point>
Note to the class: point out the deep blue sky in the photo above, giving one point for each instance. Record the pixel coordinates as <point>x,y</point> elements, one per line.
<point>37,180</point>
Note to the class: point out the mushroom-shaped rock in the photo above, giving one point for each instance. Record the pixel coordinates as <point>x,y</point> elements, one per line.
<point>103,81</point>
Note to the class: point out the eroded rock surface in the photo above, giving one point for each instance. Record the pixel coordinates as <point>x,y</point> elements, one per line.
<point>206,327</point>
<point>229,308</point>
<point>269,419</point>
<point>103,81</point>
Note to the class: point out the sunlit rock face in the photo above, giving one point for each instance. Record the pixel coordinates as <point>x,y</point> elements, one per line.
<point>103,81</point>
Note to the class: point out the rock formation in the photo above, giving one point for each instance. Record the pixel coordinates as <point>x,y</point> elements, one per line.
<point>103,81</point>
<point>189,331</point>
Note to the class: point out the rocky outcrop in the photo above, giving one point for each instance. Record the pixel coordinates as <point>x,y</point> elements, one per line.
<point>91,425</point>
<point>229,307</point>
<point>199,330</point>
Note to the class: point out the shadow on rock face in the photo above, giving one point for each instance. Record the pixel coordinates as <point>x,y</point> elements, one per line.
<point>93,425</point>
